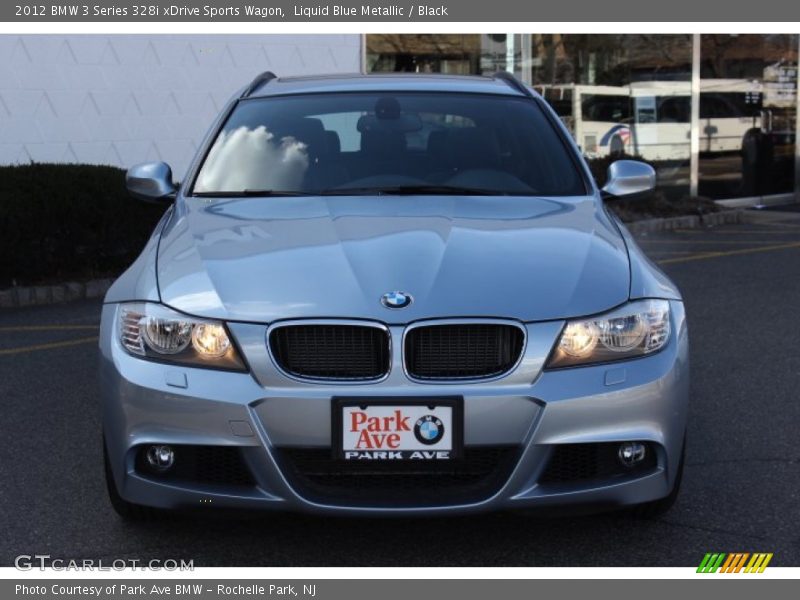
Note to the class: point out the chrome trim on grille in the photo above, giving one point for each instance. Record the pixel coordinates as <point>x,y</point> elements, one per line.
<point>329,380</point>
<point>464,321</point>
<point>406,330</point>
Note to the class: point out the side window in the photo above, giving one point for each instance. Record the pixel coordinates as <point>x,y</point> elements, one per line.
<point>606,109</point>
<point>729,105</point>
<point>560,100</point>
<point>674,109</point>
<point>710,107</point>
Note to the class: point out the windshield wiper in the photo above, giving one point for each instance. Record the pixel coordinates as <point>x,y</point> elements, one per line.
<point>250,194</point>
<point>413,190</point>
<point>389,190</point>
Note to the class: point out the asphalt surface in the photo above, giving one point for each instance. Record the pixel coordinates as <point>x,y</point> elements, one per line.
<point>741,485</point>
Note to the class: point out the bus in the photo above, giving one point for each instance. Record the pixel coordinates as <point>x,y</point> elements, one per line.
<point>652,119</point>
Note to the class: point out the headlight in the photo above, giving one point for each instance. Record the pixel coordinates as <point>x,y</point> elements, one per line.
<point>154,331</point>
<point>633,330</point>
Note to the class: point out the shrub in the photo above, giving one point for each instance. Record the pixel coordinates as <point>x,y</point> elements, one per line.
<point>62,222</point>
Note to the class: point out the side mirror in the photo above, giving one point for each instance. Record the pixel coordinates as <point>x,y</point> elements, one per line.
<point>628,178</point>
<point>151,182</point>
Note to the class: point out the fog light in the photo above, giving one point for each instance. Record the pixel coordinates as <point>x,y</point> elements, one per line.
<point>160,458</point>
<point>631,453</point>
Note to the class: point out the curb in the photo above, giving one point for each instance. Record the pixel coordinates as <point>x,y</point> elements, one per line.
<point>687,222</point>
<point>39,295</point>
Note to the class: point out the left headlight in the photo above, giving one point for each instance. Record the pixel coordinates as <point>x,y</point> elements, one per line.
<point>636,329</point>
<point>150,330</point>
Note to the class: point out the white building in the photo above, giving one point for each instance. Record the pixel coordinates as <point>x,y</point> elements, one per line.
<point>123,99</point>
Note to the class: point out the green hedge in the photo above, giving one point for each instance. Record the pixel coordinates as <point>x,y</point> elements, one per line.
<point>65,222</point>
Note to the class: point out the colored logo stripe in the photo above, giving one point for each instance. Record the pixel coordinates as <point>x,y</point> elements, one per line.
<point>734,562</point>
<point>710,563</point>
<point>623,131</point>
<point>758,563</point>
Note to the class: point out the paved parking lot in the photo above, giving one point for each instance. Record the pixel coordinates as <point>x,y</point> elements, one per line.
<point>741,487</point>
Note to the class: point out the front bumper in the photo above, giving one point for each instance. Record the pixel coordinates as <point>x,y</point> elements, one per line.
<point>264,412</point>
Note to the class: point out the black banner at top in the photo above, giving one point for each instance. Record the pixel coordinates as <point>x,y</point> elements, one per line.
<point>399,11</point>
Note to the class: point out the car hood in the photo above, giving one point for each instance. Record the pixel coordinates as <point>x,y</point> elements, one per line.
<point>292,257</point>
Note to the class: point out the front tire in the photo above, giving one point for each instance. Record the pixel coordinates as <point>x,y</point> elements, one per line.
<point>127,510</point>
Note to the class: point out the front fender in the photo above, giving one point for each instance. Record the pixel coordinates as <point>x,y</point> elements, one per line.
<point>139,281</point>
<point>647,279</point>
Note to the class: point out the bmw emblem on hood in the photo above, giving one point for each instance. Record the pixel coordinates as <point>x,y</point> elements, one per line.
<point>396,300</point>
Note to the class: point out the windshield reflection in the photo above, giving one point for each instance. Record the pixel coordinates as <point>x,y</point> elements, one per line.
<point>239,160</point>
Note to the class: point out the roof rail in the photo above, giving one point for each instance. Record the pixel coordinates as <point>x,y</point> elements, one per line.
<point>513,82</point>
<point>261,79</point>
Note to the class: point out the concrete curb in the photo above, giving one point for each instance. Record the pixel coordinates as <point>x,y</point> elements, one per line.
<point>687,222</point>
<point>38,295</point>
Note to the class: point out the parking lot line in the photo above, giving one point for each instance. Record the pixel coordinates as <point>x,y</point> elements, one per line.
<point>13,328</point>
<point>706,255</point>
<point>48,346</point>
<point>752,231</point>
<point>769,229</point>
<point>682,252</point>
<point>713,242</point>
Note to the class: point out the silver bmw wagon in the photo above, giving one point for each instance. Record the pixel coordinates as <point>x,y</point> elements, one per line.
<point>391,295</point>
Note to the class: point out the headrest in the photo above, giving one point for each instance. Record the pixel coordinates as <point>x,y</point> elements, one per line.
<point>333,142</point>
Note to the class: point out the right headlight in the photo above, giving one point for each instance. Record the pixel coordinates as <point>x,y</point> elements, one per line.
<point>638,328</point>
<point>151,330</point>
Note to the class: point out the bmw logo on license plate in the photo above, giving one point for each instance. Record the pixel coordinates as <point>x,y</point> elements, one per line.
<point>429,430</point>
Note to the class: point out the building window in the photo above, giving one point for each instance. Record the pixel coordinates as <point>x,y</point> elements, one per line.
<point>632,95</point>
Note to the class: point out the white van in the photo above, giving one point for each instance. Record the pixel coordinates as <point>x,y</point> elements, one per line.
<point>652,119</point>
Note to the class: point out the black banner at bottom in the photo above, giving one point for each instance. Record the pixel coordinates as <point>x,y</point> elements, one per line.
<point>382,589</point>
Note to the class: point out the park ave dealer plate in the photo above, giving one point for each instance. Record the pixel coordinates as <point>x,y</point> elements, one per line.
<point>398,429</point>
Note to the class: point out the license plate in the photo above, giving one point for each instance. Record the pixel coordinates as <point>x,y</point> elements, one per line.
<point>429,429</point>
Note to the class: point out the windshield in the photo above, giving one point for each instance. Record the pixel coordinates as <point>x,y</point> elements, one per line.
<point>388,142</point>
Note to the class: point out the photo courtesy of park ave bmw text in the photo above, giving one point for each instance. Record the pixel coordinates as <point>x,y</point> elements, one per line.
<point>371,285</point>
